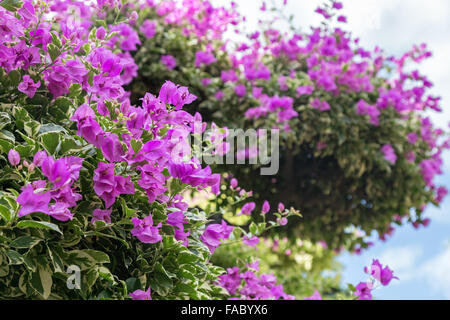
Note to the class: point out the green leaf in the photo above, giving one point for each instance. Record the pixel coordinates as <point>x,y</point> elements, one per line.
<point>253,228</point>
<point>15,258</point>
<point>98,256</point>
<point>38,224</point>
<point>11,5</point>
<point>127,211</point>
<point>41,281</point>
<point>31,128</point>
<point>50,141</point>
<point>351,287</point>
<point>133,284</point>
<point>161,276</point>
<point>4,270</point>
<point>50,127</point>
<point>25,242</point>
<point>106,274</point>
<point>89,279</point>
<point>75,90</point>
<point>186,257</point>
<point>87,258</point>
<point>14,78</point>
<point>55,40</point>
<point>136,145</point>
<point>5,213</point>
<point>53,51</point>
<point>63,103</point>
<point>24,151</point>
<point>7,137</point>
<point>186,288</point>
<point>56,258</point>
<point>68,145</point>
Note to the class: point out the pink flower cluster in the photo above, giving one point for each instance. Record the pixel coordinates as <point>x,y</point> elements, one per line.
<point>248,285</point>
<point>378,273</point>
<point>56,195</point>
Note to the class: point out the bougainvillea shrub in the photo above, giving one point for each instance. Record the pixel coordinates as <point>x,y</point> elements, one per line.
<point>91,185</point>
<point>97,175</point>
<point>358,150</point>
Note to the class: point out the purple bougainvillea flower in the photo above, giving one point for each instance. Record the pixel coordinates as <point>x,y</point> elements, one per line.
<point>175,95</point>
<point>320,105</point>
<point>282,221</point>
<point>28,87</point>
<point>176,219</point>
<point>383,275</point>
<point>104,183</point>
<point>101,215</point>
<point>33,199</point>
<point>169,61</point>
<point>39,157</point>
<point>214,234</point>
<point>111,147</point>
<point>100,33</point>
<point>141,295</point>
<point>364,291</point>
<point>265,207</point>
<point>240,90</point>
<point>233,183</point>
<point>229,76</point>
<point>182,236</point>
<point>88,128</point>
<point>389,153</point>
<point>26,56</point>
<point>13,157</point>
<point>152,181</point>
<point>145,231</point>
<point>27,13</point>
<point>248,208</point>
<point>412,138</point>
<point>76,69</point>
<point>337,5</point>
<point>315,296</point>
<point>252,242</point>
<point>57,171</point>
<point>60,211</point>
<point>219,95</point>
<point>128,38</point>
<point>148,28</point>
<point>204,58</point>
<point>304,90</point>
<point>231,281</point>
<point>123,185</point>
<point>363,108</point>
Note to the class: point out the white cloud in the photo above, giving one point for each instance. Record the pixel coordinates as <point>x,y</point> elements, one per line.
<point>436,273</point>
<point>402,260</point>
<point>440,215</point>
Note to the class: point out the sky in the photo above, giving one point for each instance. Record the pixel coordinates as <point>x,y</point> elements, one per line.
<point>420,258</point>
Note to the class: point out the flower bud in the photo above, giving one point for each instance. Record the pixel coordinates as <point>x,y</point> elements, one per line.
<point>13,157</point>
<point>134,16</point>
<point>31,167</point>
<point>265,207</point>
<point>101,33</point>
<point>282,221</point>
